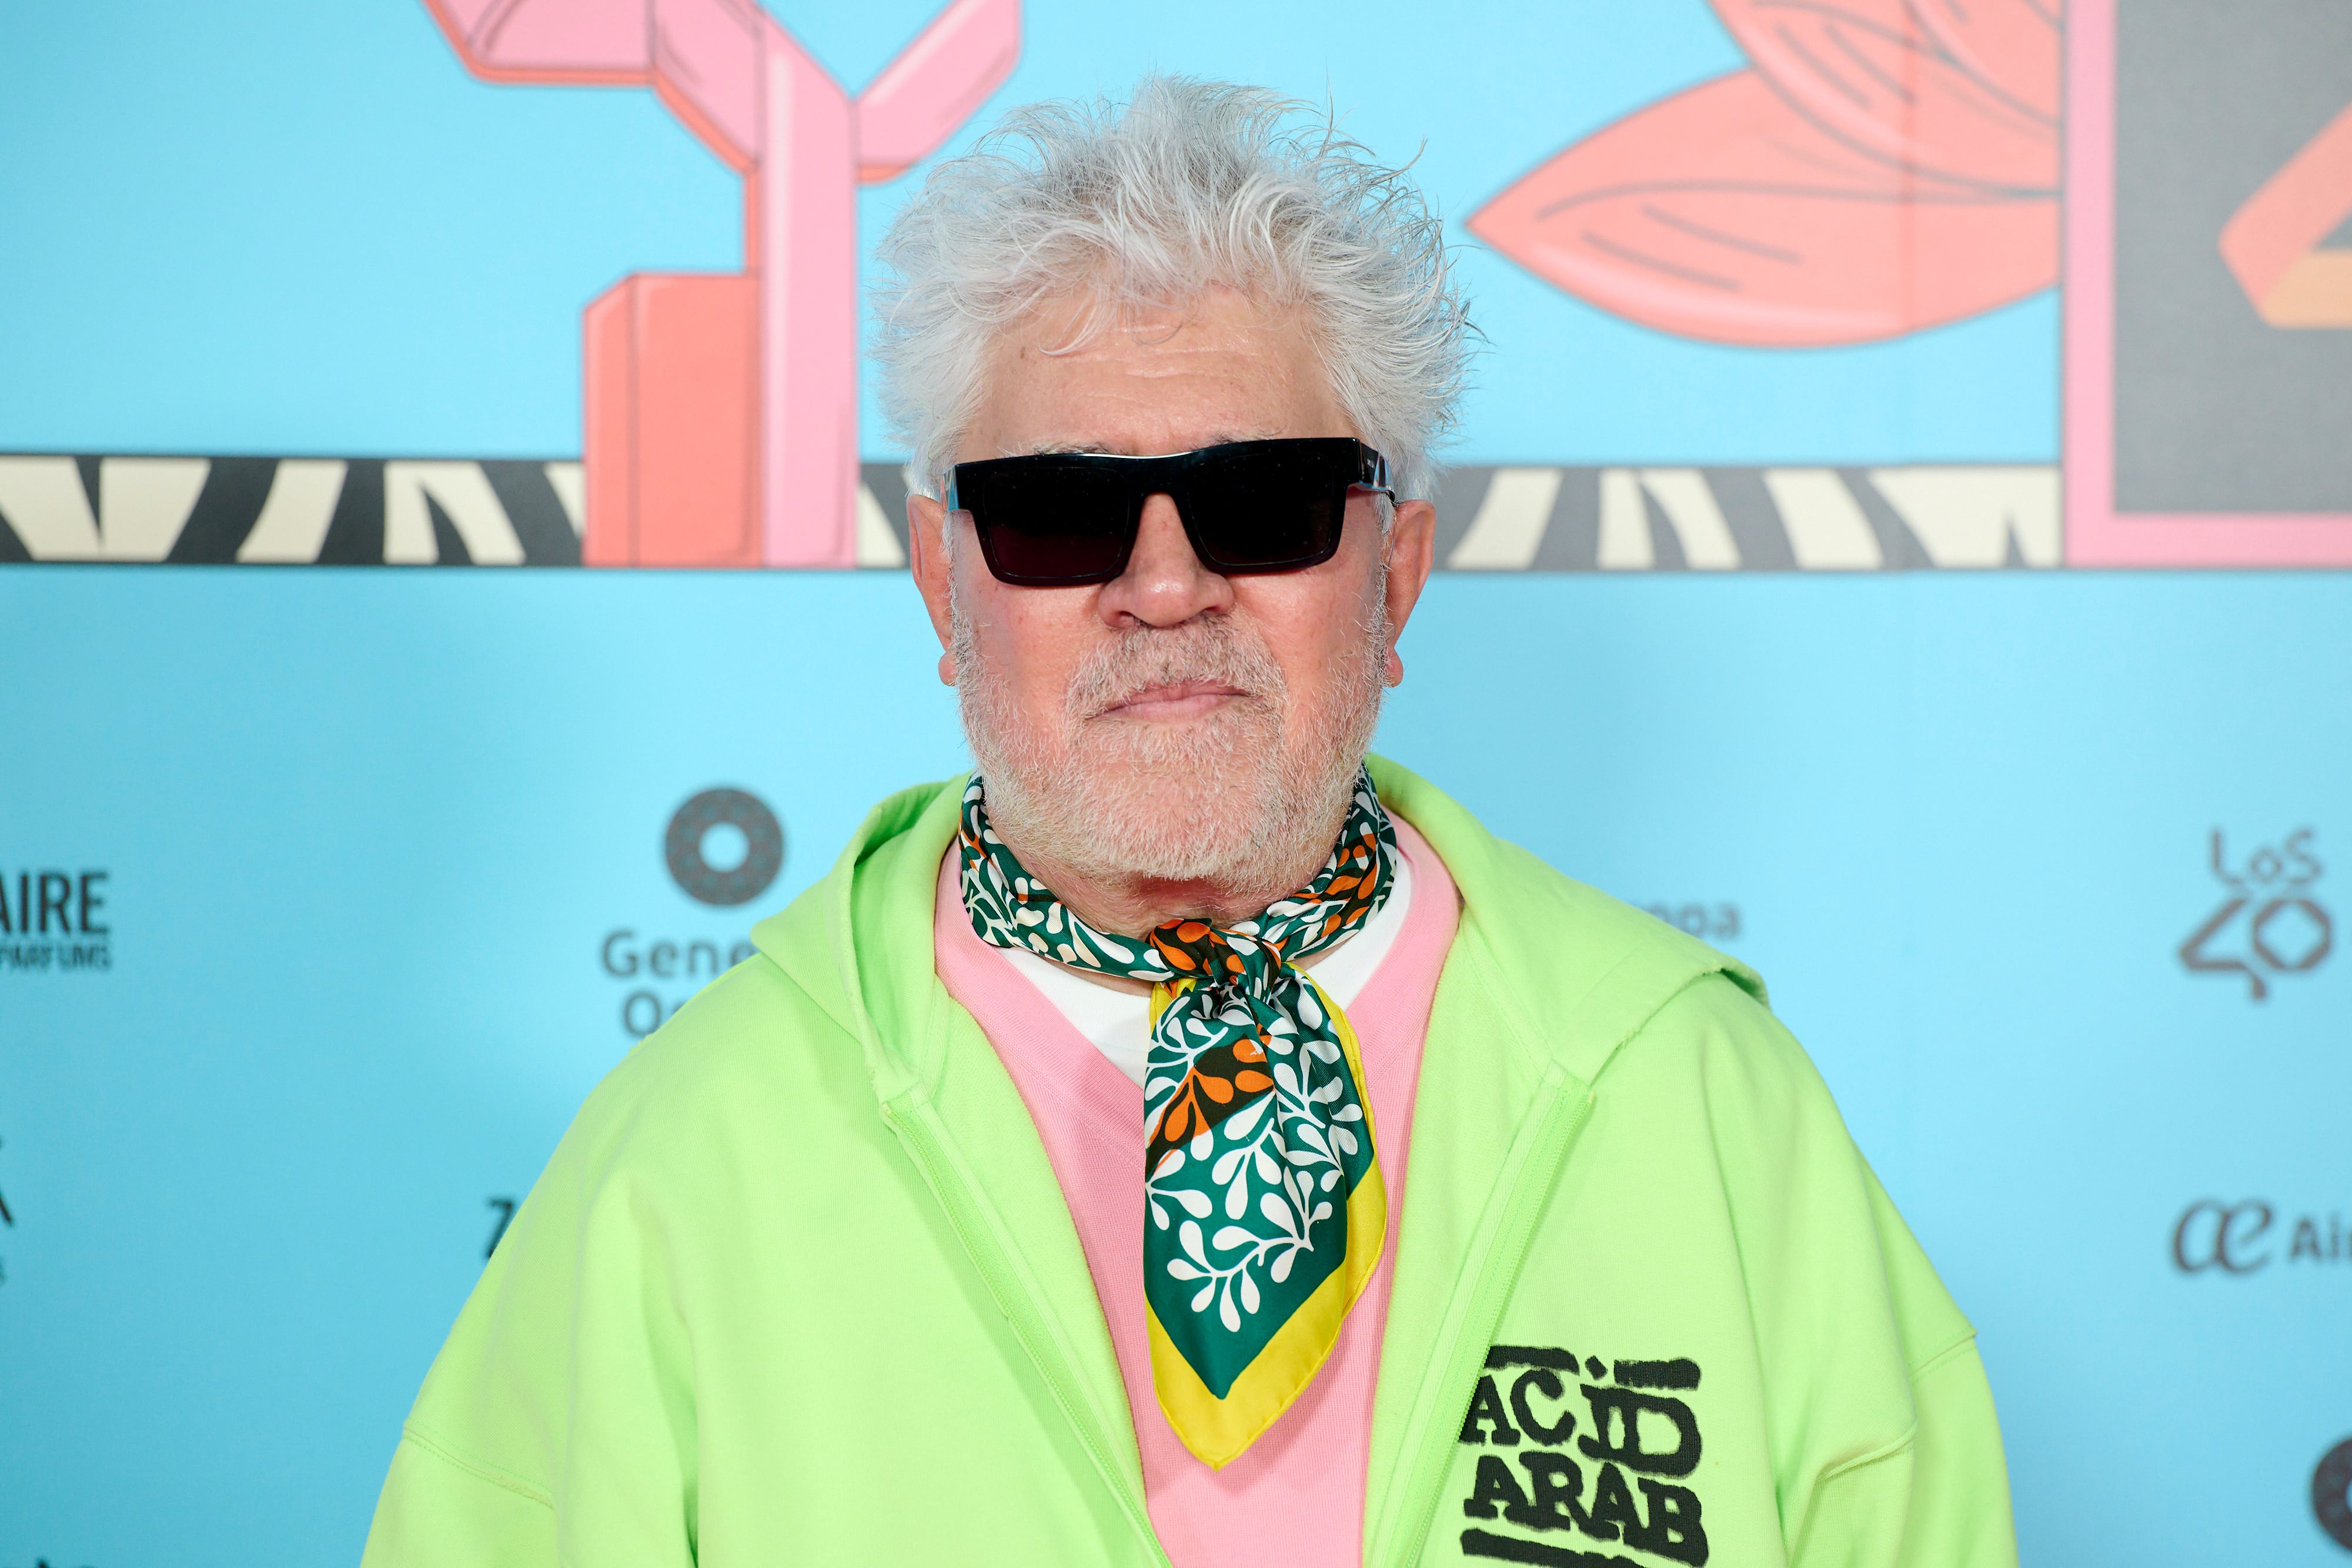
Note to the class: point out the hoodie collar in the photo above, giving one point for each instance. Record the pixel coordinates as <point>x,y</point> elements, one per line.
<point>859,942</point>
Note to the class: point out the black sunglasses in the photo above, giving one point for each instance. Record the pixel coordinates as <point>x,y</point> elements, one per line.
<point>1062,518</point>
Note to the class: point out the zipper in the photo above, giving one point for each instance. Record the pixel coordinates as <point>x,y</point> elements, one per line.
<point>1496,1276</point>
<point>1013,1299</point>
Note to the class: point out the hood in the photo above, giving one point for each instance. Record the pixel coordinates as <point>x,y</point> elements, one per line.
<point>859,941</point>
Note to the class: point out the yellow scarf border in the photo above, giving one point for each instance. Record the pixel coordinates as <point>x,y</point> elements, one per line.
<point>1219,1431</point>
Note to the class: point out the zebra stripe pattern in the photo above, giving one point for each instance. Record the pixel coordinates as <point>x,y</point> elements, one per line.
<point>331,511</point>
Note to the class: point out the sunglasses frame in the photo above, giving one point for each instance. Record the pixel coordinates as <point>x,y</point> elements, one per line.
<point>1170,474</point>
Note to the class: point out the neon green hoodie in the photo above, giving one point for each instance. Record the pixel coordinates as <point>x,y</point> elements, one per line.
<point>798,1286</point>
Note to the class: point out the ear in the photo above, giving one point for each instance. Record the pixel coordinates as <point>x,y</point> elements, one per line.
<point>927,559</point>
<point>1411,546</point>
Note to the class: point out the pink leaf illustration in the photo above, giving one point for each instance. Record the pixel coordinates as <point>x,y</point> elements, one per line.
<point>1724,213</point>
<point>2012,45</point>
<point>1973,97</point>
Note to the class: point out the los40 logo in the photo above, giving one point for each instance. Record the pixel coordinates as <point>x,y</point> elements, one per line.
<point>2268,922</point>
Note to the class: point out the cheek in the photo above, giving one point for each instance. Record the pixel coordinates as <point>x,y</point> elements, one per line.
<point>1311,621</point>
<point>1031,637</point>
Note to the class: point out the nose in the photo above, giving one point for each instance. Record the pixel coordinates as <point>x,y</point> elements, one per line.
<point>1164,585</point>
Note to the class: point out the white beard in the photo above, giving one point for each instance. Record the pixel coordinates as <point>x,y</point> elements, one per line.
<point>1232,799</point>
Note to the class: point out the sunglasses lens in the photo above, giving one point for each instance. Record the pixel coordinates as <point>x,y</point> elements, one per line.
<point>1270,506</point>
<point>1042,523</point>
<point>1248,507</point>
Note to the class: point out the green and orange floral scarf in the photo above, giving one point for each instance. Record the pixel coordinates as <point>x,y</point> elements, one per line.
<point>1266,1209</point>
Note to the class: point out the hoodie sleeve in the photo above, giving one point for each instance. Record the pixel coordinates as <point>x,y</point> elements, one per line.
<point>440,1507</point>
<point>567,1377</point>
<point>1939,1498</point>
<point>1871,1402</point>
<point>1886,1449</point>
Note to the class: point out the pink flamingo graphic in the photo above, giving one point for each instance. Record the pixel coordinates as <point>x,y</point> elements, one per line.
<point>1882,166</point>
<point>721,409</point>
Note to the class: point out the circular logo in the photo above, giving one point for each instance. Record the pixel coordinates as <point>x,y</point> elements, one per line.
<point>763,846</point>
<point>2330,1483</point>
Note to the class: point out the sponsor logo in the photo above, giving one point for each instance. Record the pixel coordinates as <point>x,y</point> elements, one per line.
<point>2270,923</point>
<point>2331,1493</point>
<point>653,965</point>
<point>724,848</point>
<point>2247,1236</point>
<point>1639,1436</point>
<point>1707,922</point>
<point>504,1208</point>
<point>737,827</point>
<point>53,921</point>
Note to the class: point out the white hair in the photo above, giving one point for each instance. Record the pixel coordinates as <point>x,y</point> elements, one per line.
<point>1189,185</point>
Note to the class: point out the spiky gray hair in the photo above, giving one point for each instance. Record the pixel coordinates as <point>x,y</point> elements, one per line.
<point>1188,185</point>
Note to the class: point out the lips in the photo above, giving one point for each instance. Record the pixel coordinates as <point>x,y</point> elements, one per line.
<point>1176,699</point>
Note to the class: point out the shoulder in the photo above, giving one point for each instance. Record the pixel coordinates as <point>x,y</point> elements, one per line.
<point>1713,1053</point>
<point>777,1055</point>
<point>1577,972</point>
<point>697,1145</point>
<point>1692,1076</point>
<point>1717,1079</point>
<point>751,1051</point>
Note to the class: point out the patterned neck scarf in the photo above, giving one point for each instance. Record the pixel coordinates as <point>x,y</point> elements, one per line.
<point>1267,1211</point>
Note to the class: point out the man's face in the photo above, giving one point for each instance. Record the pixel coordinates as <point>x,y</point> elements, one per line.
<point>1174,723</point>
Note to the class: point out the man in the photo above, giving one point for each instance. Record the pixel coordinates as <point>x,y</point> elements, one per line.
<point>1177,1142</point>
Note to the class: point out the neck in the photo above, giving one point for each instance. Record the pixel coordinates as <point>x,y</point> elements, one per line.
<point>1126,904</point>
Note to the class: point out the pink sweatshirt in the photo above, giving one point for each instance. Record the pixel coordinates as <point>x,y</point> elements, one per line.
<point>1296,1495</point>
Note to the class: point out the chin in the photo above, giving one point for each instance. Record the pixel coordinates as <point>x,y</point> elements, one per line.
<point>1200,801</point>
<point>1245,796</point>
<point>1213,819</point>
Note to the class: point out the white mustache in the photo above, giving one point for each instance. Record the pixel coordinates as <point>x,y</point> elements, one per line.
<point>1145,659</point>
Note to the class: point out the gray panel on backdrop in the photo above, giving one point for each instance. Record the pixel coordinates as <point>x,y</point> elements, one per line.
<point>2215,411</point>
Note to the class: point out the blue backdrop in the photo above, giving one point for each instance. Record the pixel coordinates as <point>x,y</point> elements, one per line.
<point>345,884</point>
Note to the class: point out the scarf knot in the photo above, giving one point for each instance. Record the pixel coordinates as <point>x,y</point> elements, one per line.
<point>1255,1121</point>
